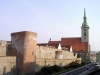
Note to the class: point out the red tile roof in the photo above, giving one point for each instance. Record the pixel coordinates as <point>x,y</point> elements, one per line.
<point>54,43</point>
<point>76,44</point>
<point>70,41</point>
<point>42,44</point>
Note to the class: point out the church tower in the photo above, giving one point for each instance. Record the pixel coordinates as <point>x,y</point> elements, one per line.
<point>85,29</point>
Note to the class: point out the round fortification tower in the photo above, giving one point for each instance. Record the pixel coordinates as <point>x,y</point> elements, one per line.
<point>25,44</point>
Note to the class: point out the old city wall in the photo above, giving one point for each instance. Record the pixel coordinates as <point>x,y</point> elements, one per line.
<point>45,52</point>
<point>3,48</point>
<point>50,62</point>
<point>52,53</point>
<point>49,56</point>
<point>7,65</point>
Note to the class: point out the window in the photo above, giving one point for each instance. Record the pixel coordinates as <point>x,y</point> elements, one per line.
<point>84,34</point>
<point>84,29</point>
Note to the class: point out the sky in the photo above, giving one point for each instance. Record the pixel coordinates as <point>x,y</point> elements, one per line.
<point>53,19</point>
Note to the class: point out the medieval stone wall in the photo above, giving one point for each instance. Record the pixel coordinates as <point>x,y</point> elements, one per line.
<point>45,52</point>
<point>49,56</point>
<point>7,65</point>
<point>50,62</point>
<point>31,57</point>
<point>3,48</point>
<point>52,53</point>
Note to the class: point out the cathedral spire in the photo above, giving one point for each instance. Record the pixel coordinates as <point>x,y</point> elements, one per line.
<point>84,24</point>
<point>85,29</point>
<point>84,13</point>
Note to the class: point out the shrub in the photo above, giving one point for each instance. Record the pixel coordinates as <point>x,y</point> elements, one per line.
<point>74,64</point>
<point>67,67</point>
<point>51,69</point>
<point>47,70</point>
<point>56,68</point>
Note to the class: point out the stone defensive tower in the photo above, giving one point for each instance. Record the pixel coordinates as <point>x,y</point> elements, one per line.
<point>24,45</point>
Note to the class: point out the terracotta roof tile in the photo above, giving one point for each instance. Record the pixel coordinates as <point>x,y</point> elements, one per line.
<point>76,43</point>
<point>53,43</point>
<point>42,44</point>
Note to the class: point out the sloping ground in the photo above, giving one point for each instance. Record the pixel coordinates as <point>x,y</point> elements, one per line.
<point>97,72</point>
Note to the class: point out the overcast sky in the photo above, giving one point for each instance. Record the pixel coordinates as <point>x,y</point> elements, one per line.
<point>50,19</point>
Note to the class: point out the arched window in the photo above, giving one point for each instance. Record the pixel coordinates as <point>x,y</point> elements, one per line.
<point>84,29</point>
<point>84,34</point>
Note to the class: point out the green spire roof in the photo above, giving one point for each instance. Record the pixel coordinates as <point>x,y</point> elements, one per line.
<point>84,13</point>
<point>84,24</point>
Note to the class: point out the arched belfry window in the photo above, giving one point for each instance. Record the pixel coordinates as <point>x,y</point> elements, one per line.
<point>84,29</point>
<point>84,34</point>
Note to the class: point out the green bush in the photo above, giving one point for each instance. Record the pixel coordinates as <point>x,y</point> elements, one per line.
<point>47,70</point>
<point>67,66</point>
<point>56,69</point>
<point>74,65</point>
<point>51,69</point>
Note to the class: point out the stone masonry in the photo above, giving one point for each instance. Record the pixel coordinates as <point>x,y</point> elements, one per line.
<point>7,63</point>
<point>24,44</point>
<point>2,48</point>
<point>31,57</point>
